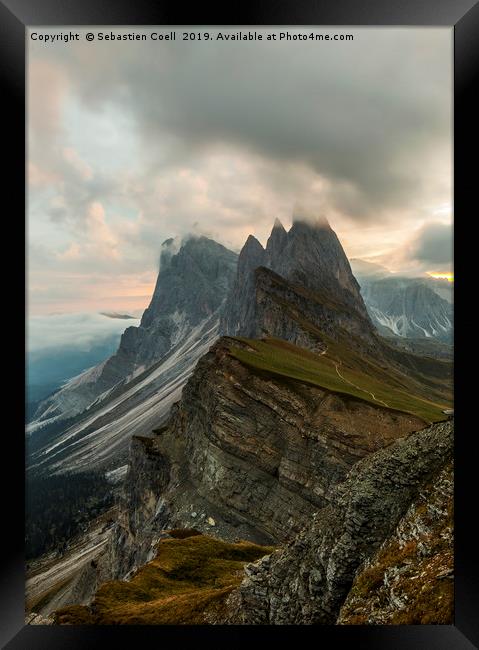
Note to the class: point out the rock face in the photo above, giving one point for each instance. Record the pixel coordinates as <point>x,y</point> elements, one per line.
<point>308,580</point>
<point>239,313</point>
<point>300,282</point>
<point>245,456</point>
<point>410,580</point>
<point>294,313</point>
<point>191,286</point>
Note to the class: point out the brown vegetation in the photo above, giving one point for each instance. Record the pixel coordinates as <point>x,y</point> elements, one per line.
<point>190,578</point>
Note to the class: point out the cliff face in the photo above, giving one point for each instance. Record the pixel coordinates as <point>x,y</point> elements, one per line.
<point>192,285</point>
<point>410,579</point>
<point>295,313</point>
<point>89,423</point>
<point>246,455</point>
<point>308,580</point>
<point>380,552</point>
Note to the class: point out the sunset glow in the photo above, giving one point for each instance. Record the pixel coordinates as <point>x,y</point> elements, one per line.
<point>443,276</point>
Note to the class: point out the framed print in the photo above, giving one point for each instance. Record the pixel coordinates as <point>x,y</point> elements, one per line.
<point>242,374</point>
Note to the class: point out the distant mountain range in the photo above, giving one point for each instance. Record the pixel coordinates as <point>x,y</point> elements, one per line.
<point>414,308</point>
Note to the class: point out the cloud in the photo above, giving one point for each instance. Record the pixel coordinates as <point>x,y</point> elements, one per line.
<point>83,169</point>
<point>433,244</point>
<point>132,143</point>
<point>73,252</point>
<point>81,331</point>
<point>368,114</point>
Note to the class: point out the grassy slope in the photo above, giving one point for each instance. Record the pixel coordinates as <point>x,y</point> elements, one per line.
<point>362,379</point>
<point>189,577</point>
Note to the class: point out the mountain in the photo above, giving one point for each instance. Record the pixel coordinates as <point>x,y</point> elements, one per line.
<point>408,308</point>
<point>414,308</point>
<point>299,286</point>
<point>90,420</point>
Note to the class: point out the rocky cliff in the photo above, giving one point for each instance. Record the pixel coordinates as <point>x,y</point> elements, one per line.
<point>370,521</point>
<point>293,432</point>
<point>410,579</point>
<point>247,454</point>
<point>380,552</point>
<point>271,420</point>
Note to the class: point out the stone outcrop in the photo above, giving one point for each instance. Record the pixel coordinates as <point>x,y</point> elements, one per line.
<point>308,580</point>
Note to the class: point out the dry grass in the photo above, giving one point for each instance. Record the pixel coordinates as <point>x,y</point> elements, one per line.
<point>190,577</point>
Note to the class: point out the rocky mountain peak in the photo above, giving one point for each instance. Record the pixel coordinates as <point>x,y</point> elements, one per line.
<point>239,311</point>
<point>193,281</point>
<point>276,241</point>
<point>308,257</point>
<point>252,251</point>
<point>193,278</point>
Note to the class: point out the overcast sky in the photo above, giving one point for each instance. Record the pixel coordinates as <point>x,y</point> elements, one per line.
<point>134,142</point>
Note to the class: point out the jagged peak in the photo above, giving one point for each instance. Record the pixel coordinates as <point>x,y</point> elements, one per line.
<point>277,240</point>
<point>252,243</point>
<point>191,244</point>
<point>277,224</point>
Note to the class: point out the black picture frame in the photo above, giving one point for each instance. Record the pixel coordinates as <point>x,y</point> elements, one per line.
<point>461,15</point>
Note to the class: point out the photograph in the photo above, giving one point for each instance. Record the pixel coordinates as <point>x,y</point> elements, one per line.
<point>239,325</point>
